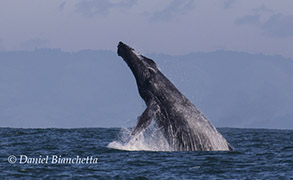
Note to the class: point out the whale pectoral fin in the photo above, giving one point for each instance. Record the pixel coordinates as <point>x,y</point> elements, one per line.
<point>145,119</point>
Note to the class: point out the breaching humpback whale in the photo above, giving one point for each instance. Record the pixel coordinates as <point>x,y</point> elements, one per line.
<point>182,124</point>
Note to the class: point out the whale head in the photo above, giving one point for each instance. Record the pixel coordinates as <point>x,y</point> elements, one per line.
<point>144,70</point>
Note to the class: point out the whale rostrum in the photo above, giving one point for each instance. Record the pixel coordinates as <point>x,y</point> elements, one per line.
<point>182,124</point>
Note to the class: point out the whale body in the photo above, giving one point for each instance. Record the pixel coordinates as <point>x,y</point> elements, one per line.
<point>182,124</point>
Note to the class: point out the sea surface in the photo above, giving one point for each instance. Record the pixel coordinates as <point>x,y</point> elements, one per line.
<point>102,153</point>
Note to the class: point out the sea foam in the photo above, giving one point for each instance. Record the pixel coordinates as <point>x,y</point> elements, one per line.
<point>149,140</point>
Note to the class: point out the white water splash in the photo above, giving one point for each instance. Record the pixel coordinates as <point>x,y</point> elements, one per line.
<point>149,140</point>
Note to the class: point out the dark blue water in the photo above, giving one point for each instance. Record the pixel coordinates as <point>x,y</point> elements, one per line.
<point>259,154</point>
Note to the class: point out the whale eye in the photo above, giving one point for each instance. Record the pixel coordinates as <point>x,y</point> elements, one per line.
<point>151,70</point>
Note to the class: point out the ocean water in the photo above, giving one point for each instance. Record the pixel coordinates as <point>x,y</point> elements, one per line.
<point>102,153</point>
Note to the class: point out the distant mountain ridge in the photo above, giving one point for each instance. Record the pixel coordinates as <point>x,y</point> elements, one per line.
<point>51,88</point>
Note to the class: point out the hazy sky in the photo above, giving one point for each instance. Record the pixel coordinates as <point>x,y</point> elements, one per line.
<point>169,26</point>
